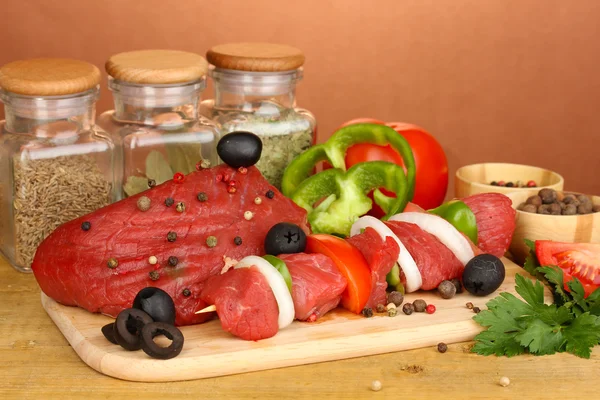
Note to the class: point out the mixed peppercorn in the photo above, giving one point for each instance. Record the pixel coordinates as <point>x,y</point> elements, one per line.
<point>517,184</point>
<point>550,202</point>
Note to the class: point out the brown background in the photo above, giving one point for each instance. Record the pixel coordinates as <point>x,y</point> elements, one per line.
<point>494,80</point>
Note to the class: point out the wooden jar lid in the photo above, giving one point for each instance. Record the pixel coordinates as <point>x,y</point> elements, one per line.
<point>48,76</point>
<point>256,57</point>
<point>156,66</point>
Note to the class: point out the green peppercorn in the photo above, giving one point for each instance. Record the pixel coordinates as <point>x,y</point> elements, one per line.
<point>169,201</point>
<point>237,240</point>
<point>172,236</point>
<point>380,308</point>
<point>186,292</point>
<point>392,312</point>
<point>420,305</point>
<point>173,261</point>
<point>143,203</point>
<point>270,194</point>
<point>211,241</point>
<point>154,275</point>
<point>202,197</point>
<point>86,226</point>
<point>408,308</point>
<point>180,207</point>
<point>367,312</point>
<point>112,263</point>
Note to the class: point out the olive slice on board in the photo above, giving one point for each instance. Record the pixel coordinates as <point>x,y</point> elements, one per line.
<point>108,331</point>
<point>128,326</point>
<point>150,347</point>
<point>156,303</point>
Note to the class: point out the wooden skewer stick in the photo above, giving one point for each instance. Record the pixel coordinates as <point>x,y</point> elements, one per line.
<point>207,309</point>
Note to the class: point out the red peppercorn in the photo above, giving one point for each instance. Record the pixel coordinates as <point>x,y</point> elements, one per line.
<point>312,318</point>
<point>430,309</point>
<point>198,166</point>
<point>232,183</point>
<point>531,184</point>
<point>178,177</point>
<point>501,183</point>
<point>231,189</point>
<point>219,178</point>
<point>243,170</point>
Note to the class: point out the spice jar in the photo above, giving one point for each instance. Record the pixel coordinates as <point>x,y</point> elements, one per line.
<point>255,91</point>
<point>156,121</point>
<point>55,164</point>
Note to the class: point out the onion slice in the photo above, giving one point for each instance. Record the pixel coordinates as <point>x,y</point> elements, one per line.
<point>277,284</point>
<point>443,230</point>
<point>405,260</point>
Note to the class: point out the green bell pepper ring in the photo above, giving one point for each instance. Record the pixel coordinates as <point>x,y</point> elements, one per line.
<point>345,195</point>
<point>460,216</point>
<point>334,151</point>
<point>280,266</point>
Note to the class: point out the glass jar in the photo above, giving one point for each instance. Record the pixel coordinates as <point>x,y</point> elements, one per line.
<point>156,122</point>
<point>255,91</point>
<point>55,164</point>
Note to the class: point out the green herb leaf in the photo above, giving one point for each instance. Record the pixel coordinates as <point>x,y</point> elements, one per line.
<point>158,168</point>
<point>135,185</point>
<point>532,294</point>
<point>582,335</point>
<point>488,343</point>
<point>540,338</point>
<point>530,244</point>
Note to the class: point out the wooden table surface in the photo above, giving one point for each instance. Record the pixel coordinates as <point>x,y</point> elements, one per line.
<point>37,362</point>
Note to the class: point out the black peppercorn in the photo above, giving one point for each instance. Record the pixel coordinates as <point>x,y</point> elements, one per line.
<point>270,194</point>
<point>419,305</point>
<point>447,289</point>
<point>151,183</point>
<point>494,183</point>
<point>186,292</point>
<point>154,275</point>
<point>442,347</point>
<point>237,240</point>
<point>380,308</point>
<point>395,297</point>
<point>172,236</point>
<point>85,226</point>
<point>202,197</point>
<point>367,312</point>
<point>169,201</point>
<point>173,261</point>
<point>510,184</point>
<point>408,308</point>
<point>476,310</point>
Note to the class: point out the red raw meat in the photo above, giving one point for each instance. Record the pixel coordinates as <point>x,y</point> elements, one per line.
<point>381,256</point>
<point>317,284</point>
<point>71,264</point>
<point>435,261</point>
<point>245,303</point>
<point>495,221</point>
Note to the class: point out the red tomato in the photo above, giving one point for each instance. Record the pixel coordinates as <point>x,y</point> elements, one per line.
<point>577,260</point>
<point>430,161</point>
<point>352,265</point>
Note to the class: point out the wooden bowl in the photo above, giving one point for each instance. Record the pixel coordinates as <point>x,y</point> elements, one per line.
<point>562,228</point>
<point>476,178</point>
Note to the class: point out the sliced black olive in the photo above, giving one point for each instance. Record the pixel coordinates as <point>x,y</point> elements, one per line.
<point>285,237</point>
<point>154,329</point>
<point>108,331</point>
<point>128,326</point>
<point>483,274</point>
<point>240,149</point>
<point>156,303</point>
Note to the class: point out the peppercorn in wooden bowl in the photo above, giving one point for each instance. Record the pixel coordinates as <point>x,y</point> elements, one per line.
<point>494,178</point>
<point>577,228</point>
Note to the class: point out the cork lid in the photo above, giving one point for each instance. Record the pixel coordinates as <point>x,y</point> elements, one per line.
<point>48,76</point>
<point>256,57</point>
<point>156,66</point>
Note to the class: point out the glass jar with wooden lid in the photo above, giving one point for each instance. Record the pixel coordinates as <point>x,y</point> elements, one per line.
<point>255,91</point>
<point>55,164</point>
<point>156,120</point>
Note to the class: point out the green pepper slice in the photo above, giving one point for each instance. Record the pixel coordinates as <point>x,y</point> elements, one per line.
<point>393,277</point>
<point>334,151</point>
<point>280,266</point>
<point>346,195</point>
<point>460,216</point>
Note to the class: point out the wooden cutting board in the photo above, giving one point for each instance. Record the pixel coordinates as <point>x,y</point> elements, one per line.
<point>209,351</point>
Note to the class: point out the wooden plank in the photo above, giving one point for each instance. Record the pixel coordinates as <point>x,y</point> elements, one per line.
<point>209,351</point>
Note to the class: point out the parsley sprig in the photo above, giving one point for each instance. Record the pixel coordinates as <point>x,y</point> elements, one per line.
<point>515,326</point>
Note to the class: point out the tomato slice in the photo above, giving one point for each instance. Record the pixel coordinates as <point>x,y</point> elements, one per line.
<point>577,260</point>
<point>352,265</point>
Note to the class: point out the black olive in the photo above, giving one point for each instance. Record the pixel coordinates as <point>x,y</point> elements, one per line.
<point>108,331</point>
<point>128,326</point>
<point>240,149</point>
<point>285,237</point>
<point>483,274</point>
<point>154,329</point>
<point>156,303</point>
